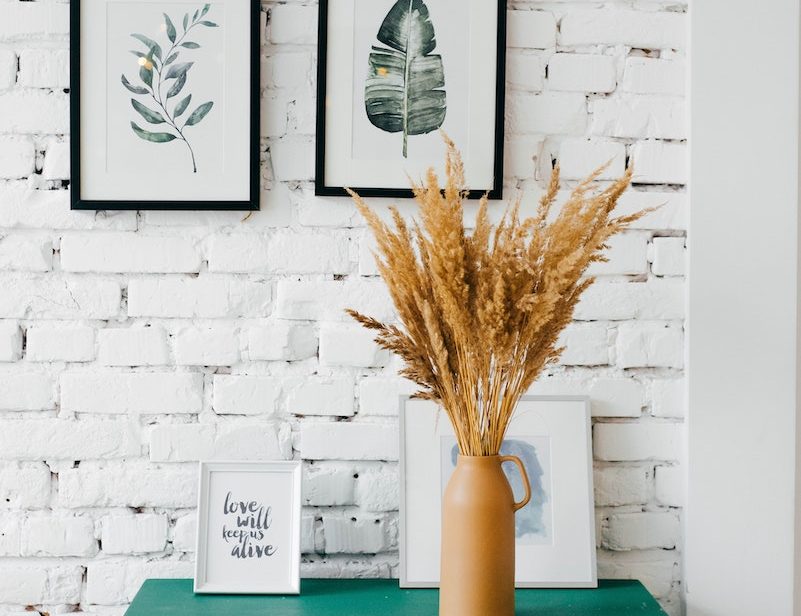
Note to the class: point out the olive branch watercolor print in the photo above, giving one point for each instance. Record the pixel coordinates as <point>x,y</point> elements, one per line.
<point>404,87</point>
<point>159,70</point>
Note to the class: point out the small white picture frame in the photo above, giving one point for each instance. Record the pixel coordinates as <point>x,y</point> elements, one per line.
<point>555,536</point>
<point>248,531</point>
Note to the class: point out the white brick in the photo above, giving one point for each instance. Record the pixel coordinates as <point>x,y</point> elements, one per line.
<point>668,398</point>
<point>316,211</point>
<point>358,535</point>
<point>27,391</point>
<point>17,157</point>
<point>670,486</point>
<point>8,68</point>
<point>642,29</point>
<point>656,569</point>
<point>29,582</point>
<point>115,582</point>
<point>184,534</point>
<point>24,485</point>
<point>579,157</point>
<point>281,341</point>
<point>234,441</point>
<point>327,299</point>
<point>582,72</point>
<point>206,346</point>
<point>128,483</point>
<point>64,342</point>
<point>10,341</point>
<point>609,397</point>
<point>622,485</point>
<point>627,254</point>
<point>34,296</point>
<point>670,214</point>
<point>54,535</point>
<point>10,534</point>
<point>22,21</point>
<point>293,158</point>
<point>307,253</point>
<point>57,161</point>
<point>43,112</point>
<point>638,117</point>
<point>586,344</point>
<point>133,346</point>
<point>348,441</point>
<point>525,71</point>
<point>286,69</point>
<point>44,68</point>
<point>238,253</point>
<point>329,485</point>
<point>620,301</point>
<point>631,441</point>
<point>654,76</point>
<point>245,395</point>
<point>120,393</point>
<point>308,534</point>
<point>669,256</point>
<point>350,345</point>
<point>61,439</point>
<point>322,396</point>
<point>293,24</point>
<point>31,253</point>
<point>520,153</point>
<point>128,252</point>
<point>378,489</point>
<point>133,534</point>
<point>530,29</point>
<point>647,345</point>
<point>549,113</point>
<point>641,531</point>
<point>657,162</point>
<point>382,395</point>
<point>206,297</point>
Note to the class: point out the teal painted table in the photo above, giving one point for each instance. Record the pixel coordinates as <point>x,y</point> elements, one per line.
<point>383,598</point>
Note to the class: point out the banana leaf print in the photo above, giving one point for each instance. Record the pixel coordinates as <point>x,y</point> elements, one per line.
<point>159,70</point>
<point>404,91</point>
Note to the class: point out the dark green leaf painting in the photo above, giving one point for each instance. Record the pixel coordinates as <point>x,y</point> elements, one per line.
<point>404,91</point>
<point>164,80</point>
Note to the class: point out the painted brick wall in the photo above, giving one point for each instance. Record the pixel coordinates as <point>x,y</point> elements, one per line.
<point>133,344</point>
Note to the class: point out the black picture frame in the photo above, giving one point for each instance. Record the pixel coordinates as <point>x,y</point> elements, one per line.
<point>324,190</point>
<point>78,203</point>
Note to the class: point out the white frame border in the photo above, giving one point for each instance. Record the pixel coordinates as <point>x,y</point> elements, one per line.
<point>201,585</point>
<point>403,578</point>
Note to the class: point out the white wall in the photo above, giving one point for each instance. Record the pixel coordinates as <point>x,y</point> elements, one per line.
<point>743,347</point>
<point>131,344</point>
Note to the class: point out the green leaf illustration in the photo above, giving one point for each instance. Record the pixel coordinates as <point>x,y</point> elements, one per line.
<point>210,24</point>
<point>190,45</point>
<point>152,45</point>
<point>205,10</point>
<point>146,75</point>
<point>199,113</point>
<point>171,34</point>
<point>194,17</point>
<point>403,91</point>
<point>132,88</point>
<point>154,137</point>
<point>186,20</point>
<point>153,117</point>
<point>170,59</point>
<point>176,70</point>
<point>177,86</point>
<point>182,105</point>
<point>138,54</point>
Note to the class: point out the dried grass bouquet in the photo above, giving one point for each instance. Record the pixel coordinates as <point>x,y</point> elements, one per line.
<point>481,313</point>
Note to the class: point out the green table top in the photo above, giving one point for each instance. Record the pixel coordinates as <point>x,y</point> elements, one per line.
<point>384,598</point>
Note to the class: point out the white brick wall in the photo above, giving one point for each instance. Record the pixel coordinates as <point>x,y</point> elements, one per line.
<point>134,344</point>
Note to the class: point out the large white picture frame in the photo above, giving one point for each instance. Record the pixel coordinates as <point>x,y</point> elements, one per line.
<point>555,532</point>
<point>248,539</point>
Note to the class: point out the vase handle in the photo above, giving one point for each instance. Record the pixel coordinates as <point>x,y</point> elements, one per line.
<point>526,484</point>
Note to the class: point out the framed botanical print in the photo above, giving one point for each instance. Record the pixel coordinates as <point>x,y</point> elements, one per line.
<point>554,532</point>
<point>392,75</point>
<point>164,102</point>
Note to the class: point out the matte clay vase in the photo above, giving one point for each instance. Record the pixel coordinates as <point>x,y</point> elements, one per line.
<point>478,538</point>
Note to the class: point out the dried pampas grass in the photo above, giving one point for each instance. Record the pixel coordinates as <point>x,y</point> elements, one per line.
<point>481,313</point>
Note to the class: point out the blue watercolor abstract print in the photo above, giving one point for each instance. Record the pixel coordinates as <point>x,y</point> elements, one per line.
<point>533,523</point>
